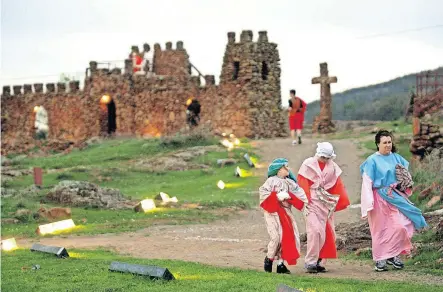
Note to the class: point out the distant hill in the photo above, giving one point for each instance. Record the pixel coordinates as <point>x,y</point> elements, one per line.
<point>379,102</point>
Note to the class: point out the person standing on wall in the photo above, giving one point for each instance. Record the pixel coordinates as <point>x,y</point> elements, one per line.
<point>296,113</point>
<point>137,60</point>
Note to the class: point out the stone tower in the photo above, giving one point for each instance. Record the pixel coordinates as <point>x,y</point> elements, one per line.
<point>254,69</point>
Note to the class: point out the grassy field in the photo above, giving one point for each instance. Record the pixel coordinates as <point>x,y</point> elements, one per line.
<point>115,160</point>
<point>88,271</point>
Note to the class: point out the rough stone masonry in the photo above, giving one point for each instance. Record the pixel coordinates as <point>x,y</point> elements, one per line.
<point>427,136</point>
<point>246,102</point>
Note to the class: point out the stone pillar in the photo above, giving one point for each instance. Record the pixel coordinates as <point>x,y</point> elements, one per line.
<point>50,87</point>
<point>93,67</point>
<point>61,87</point>
<point>128,66</point>
<point>38,87</point>
<point>209,80</point>
<point>262,36</point>
<point>27,89</point>
<point>17,89</point>
<point>231,37</point>
<point>7,90</point>
<point>179,45</point>
<point>74,86</point>
<point>246,36</point>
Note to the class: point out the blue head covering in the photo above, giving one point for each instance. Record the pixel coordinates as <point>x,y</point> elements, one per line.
<point>275,166</point>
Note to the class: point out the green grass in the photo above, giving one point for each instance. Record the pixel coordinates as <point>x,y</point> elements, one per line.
<point>398,127</point>
<point>111,152</point>
<point>107,221</point>
<point>191,186</point>
<point>424,262</point>
<point>88,271</point>
<point>424,175</point>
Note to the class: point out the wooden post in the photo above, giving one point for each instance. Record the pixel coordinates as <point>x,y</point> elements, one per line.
<point>38,176</point>
<point>415,126</point>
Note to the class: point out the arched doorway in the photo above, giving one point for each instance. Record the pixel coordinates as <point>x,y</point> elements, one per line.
<point>108,115</point>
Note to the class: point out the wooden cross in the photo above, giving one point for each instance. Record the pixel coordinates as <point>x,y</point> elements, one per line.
<point>325,98</point>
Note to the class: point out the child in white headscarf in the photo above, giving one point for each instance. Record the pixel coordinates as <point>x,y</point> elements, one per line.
<point>319,177</point>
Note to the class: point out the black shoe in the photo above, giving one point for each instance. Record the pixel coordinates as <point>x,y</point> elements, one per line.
<point>312,269</point>
<point>380,266</point>
<point>396,262</point>
<point>281,269</point>
<point>320,269</point>
<point>268,265</point>
<point>299,140</point>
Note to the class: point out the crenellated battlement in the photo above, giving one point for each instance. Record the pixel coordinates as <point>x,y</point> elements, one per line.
<point>168,46</point>
<point>38,88</point>
<point>152,101</point>
<point>247,36</point>
<point>147,82</point>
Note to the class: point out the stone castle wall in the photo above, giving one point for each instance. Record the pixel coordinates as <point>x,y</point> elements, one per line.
<point>171,62</point>
<point>255,68</point>
<point>427,136</point>
<point>67,113</point>
<point>247,102</point>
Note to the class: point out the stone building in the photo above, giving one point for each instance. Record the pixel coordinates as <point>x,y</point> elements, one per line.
<point>428,134</point>
<point>246,102</point>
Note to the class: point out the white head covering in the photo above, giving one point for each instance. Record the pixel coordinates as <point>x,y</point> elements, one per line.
<point>325,149</point>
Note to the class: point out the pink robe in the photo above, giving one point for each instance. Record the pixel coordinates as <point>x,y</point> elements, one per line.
<point>320,229</point>
<point>391,231</point>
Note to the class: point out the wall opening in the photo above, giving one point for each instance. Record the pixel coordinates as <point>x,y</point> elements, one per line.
<point>112,116</point>
<point>108,115</point>
<point>264,71</point>
<point>41,124</point>
<point>236,70</point>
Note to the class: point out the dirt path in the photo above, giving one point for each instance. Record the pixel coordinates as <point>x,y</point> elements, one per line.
<point>240,242</point>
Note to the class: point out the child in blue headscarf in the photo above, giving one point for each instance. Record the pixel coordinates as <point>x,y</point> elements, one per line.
<point>277,196</point>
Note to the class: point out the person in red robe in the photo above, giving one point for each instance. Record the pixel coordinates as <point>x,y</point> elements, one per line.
<point>137,59</point>
<point>297,109</point>
<point>277,196</point>
<point>319,177</point>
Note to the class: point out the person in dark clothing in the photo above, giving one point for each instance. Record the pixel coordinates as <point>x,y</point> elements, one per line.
<point>193,113</point>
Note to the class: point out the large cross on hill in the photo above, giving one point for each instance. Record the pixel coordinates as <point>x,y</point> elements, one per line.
<point>323,122</point>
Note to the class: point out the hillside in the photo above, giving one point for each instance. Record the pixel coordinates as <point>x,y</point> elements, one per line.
<point>379,102</point>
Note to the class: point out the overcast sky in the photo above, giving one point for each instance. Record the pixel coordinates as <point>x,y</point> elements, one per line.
<point>40,39</point>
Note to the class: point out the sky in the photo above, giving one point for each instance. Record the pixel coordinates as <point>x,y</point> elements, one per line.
<point>41,39</point>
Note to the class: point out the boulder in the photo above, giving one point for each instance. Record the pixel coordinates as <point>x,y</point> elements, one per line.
<point>82,194</point>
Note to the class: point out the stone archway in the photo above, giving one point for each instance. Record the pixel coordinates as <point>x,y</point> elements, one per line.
<point>108,115</point>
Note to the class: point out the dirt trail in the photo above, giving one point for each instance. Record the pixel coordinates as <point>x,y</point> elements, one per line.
<point>240,241</point>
